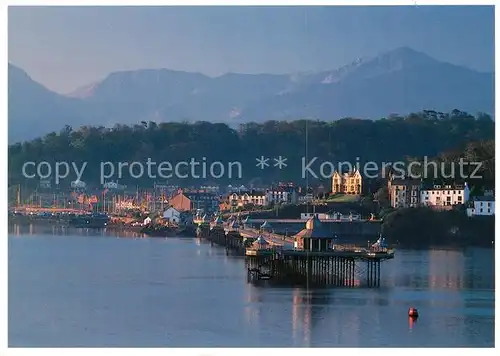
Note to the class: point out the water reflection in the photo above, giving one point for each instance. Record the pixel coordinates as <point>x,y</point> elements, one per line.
<point>446,269</point>
<point>308,310</point>
<point>62,230</point>
<point>139,291</point>
<point>450,270</point>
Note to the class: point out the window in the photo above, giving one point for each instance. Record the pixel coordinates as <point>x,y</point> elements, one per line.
<point>459,198</point>
<point>481,210</point>
<point>453,192</point>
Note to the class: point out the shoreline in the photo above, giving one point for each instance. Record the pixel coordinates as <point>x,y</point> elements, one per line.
<point>138,230</point>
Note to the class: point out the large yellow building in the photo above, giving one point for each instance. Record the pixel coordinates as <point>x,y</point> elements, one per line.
<point>347,183</point>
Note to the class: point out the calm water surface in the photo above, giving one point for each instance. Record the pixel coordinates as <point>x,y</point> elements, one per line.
<point>84,288</point>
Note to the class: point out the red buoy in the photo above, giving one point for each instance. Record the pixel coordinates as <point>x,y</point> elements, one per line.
<point>413,313</point>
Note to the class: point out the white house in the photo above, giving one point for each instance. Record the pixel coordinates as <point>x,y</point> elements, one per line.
<point>276,196</point>
<point>113,185</point>
<point>307,198</point>
<point>445,195</point>
<point>147,221</point>
<point>334,216</point>
<point>244,198</point>
<point>78,184</point>
<point>482,206</point>
<point>281,196</point>
<point>172,215</point>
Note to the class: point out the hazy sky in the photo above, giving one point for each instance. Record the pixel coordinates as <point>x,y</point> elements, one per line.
<point>66,47</point>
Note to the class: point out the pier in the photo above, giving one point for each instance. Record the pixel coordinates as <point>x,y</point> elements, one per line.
<point>361,230</point>
<point>310,257</point>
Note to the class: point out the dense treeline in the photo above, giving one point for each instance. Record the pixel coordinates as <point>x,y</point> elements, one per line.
<point>424,227</point>
<point>386,140</point>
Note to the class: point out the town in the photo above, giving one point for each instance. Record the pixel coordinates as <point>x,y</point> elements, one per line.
<point>349,197</point>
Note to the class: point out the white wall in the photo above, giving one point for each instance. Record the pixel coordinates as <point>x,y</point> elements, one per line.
<point>172,214</point>
<point>242,200</point>
<point>277,197</point>
<point>484,208</point>
<point>444,196</point>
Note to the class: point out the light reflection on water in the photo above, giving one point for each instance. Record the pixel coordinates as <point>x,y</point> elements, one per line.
<point>72,287</point>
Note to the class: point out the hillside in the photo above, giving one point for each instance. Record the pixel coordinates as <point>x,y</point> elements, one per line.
<point>400,81</point>
<point>421,134</point>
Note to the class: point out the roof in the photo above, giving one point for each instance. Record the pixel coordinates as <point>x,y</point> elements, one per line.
<point>485,198</point>
<point>266,224</point>
<point>261,240</point>
<point>405,182</point>
<point>443,186</point>
<point>255,193</point>
<point>351,173</point>
<point>197,195</point>
<point>315,229</point>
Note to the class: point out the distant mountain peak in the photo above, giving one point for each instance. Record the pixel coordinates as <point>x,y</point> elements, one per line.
<point>401,80</point>
<point>407,57</point>
<point>18,72</point>
<point>83,91</point>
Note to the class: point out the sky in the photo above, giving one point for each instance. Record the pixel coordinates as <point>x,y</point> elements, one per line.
<point>67,47</point>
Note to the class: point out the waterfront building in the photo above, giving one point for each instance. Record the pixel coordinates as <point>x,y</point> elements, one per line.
<point>482,206</point>
<point>446,195</point>
<point>172,215</point>
<point>404,193</point>
<point>190,201</point>
<point>315,237</point>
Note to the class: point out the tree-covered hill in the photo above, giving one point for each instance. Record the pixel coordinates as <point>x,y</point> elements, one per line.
<point>395,138</point>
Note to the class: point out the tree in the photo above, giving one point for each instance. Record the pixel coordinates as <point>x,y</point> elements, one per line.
<point>382,197</point>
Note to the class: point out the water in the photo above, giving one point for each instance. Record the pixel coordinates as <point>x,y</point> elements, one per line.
<point>69,288</point>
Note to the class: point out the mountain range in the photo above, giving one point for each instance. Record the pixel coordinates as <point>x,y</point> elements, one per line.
<point>400,81</point>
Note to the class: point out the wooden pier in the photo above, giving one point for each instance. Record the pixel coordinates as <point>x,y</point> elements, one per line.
<point>345,267</point>
<point>308,258</point>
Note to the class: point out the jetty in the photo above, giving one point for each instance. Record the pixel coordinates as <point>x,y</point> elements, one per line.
<point>310,257</point>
